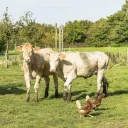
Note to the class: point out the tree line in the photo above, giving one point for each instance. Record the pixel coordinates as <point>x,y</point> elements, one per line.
<point>110,31</point>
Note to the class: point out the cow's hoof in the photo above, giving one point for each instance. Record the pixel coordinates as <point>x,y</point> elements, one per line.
<point>69,100</point>
<point>46,95</point>
<point>27,99</point>
<point>65,96</point>
<point>56,95</point>
<point>36,97</point>
<point>69,97</point>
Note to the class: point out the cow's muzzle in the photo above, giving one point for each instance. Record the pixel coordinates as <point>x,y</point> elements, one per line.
<point>52,70</point>
<point>27,60</point>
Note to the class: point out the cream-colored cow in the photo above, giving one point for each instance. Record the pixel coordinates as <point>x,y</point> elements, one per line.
<point>70,65</point>
<point>45,52</point>
<point>34,66</point>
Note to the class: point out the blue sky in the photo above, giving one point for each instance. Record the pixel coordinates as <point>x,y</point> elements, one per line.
<point>61,11</point>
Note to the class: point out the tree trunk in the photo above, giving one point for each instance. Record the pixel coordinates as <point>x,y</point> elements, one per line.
<point>6,56</point>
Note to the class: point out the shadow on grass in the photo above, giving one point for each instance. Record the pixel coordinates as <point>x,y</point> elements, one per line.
<point>118,92</point>
<point>81,94</point>
<point>11,89</point>
<point>97,109</point>
<point>96,113</point>
<point>73,93</point>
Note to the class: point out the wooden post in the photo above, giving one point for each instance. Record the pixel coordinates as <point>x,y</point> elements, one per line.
<point>62,38</point>
<point>60,46</point>
<point>56,36</point>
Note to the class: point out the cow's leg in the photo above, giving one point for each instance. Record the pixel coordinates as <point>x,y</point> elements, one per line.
<point>100,75</point>
<point>47,81</point>
<point>36,87</point>
<point>67,88</point>
<point>56,84</point>
<point>69,96</point>
<point>27,80</point>
<point>105,85</point>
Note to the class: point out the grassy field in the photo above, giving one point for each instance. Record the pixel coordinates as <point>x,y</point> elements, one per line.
<point>103,49</point>
<point>84,49</point>
<point>55,113</point>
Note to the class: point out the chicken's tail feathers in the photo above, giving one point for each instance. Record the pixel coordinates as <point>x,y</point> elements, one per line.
<point>78,104</point>
<point>87,97</point>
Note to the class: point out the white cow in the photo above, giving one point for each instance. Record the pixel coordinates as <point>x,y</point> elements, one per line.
<point>70,65</point>
<point>34,66</point>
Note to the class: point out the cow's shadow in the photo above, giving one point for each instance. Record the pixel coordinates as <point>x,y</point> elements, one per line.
<point>119,92</point>
<point>74,93</point>
<point>81,94</point>
<point>11,89</point>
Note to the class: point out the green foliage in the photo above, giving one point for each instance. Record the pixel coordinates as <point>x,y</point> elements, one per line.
<point>97,34</point>
<point>75,32</point>
<point>110,31</point>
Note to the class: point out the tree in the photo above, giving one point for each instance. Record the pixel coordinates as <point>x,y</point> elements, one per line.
<point>75,32</point>
<point>97,34</point>
<point>6,30</point>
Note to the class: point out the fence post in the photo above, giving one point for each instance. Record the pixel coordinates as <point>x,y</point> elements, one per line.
<point>60,39</point>
<point>56,36</point>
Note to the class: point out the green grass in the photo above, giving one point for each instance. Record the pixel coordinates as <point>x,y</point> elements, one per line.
<point>103,49</point>
<point>55,113</point>
<point>83,49</point>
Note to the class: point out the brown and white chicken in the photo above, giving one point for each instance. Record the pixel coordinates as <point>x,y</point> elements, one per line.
<point>84,110</point>
<point>94,103</point>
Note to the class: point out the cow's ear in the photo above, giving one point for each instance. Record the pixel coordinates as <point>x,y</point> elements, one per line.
<point>61,56</point>
<point>36,49</point>
<point>19,48</point>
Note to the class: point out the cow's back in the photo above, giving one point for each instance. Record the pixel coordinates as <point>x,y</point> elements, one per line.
<point>86,63</point>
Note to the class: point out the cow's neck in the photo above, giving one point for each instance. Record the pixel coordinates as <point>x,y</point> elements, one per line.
<point>27,67</point>
<point>60,67</point>
<point>33,61</point>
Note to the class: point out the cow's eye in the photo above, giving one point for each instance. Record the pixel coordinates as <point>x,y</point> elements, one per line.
<point>57,60</point>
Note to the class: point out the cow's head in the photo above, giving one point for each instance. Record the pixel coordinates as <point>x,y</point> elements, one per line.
<point>27,51</point>
<point>55,58</point>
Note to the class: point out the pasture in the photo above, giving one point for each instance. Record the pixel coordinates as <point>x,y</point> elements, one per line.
<point>52,112</point>
<point>103,49</point>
